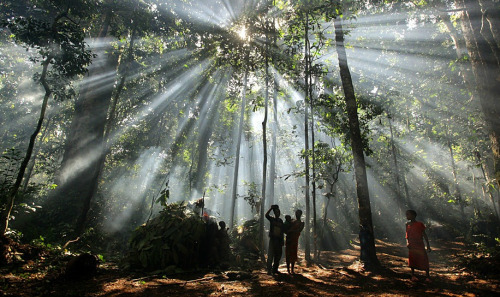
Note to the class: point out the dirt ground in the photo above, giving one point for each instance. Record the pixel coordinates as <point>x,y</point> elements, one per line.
<point>336,274</point>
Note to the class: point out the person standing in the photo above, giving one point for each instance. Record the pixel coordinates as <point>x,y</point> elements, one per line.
<point>276,239</point>
<point>223,243</point>
<point>415,235</point>
<point>292,241</point>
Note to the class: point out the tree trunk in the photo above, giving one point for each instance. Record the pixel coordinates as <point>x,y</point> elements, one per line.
<point>94,183</point>
<point>31,164</point>
<point>454,173</point>
<point>486,72</point>
<point>264,159</point>
<point>461,51</point>
<point>409,203</point>
<point>396,171</point>
<point>238,145</point>
<point>486,29</point>
<point>84,143</point>
<point>368,253</point>
<point>313,159</point>
<point>274,146</point>
<point>306,143</point>
<point>24,164</point>
<point>491,13</point>
<point>274,129</point>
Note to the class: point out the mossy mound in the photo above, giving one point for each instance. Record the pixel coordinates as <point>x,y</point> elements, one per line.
<point>173,238</point>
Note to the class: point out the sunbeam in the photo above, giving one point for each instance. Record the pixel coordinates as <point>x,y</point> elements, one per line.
<point>132,129</point>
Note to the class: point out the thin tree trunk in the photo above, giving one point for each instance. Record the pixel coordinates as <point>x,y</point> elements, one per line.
<point>306,144</point>
<point>264,161</point>
<point>274,140</point>
<point>368,253</point>
<point>477,211</point>
<point>328,198</point>
<point>31,165</point>
<point>274,126</point>
<point>396,170</point>
<point>24,164</point>
<point>407,192</point>
<point>454,172</point>
<point>238,145</point>
<point>313,159</point>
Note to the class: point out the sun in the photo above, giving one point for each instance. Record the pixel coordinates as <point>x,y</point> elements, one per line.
<point>242,33</point>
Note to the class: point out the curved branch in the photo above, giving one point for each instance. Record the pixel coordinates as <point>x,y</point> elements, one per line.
<point>4,224</point>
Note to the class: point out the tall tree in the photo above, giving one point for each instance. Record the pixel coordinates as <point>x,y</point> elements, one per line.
<point>274,123</point>
<point>368,253</point>
<point>264,146</point>
<point>306,135</point>
<point>238,144</point>
<point>483,55</point>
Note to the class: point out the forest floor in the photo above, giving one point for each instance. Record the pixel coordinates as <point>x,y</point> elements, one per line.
<point>337,274</point>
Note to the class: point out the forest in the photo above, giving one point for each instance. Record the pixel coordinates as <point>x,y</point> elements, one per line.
<point>144,144</point>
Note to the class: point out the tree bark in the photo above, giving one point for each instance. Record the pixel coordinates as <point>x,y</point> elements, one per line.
<point>368,253</point>
<point>306,143</point>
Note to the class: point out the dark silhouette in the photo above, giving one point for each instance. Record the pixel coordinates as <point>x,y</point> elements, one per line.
<point>276,240</point>
<point>81,266</point>
<point>288,223</point>
<point>417,256</point>
<point>292,240</point>
<point>208,252</point>
<point>223,241</point>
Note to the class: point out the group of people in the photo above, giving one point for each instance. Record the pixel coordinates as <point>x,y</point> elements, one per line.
<point>415,236</point>
<point>215,250</point>
<point>278,229</point>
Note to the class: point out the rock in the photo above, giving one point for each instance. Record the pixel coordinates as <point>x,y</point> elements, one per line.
<point>83,265</point>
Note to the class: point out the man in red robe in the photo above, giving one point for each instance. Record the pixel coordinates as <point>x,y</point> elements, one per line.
<point>415,235</point>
